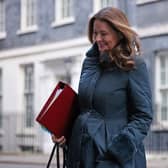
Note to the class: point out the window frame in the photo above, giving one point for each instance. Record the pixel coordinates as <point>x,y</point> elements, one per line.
<point>28,92</point>
<point>3,19</point>
<point>59,20</point>
<point>97,5</point>
<point>1,98</point>
<point>24,15</point>
<point>160,88</point>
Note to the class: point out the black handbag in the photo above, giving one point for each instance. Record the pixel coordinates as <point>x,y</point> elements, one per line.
<point>57,148</point>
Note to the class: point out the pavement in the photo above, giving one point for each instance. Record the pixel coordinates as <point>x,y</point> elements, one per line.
<point>153,161</point>
<point>27,159</point>
<point>39,159</point>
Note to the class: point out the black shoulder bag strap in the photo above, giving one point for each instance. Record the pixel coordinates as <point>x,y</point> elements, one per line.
<point>56,147</point>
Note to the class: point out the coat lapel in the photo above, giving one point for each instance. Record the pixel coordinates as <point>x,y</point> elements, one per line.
<point>91,72</point>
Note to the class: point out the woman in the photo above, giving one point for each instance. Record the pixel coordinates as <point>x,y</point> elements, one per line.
<point>114,98</point>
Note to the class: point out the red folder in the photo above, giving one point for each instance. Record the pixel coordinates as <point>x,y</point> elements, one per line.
<point>58,112</point>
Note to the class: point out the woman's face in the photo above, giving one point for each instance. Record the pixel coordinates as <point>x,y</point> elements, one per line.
<point>105,37</point>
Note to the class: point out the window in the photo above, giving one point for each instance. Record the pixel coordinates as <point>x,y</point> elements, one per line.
<point>63,12</point>
<point>162,87</point>
<point>98,4</point>
<point>29,95</point>
<point>2,19</point>
<point>28,16</point>
<point>0,98</point>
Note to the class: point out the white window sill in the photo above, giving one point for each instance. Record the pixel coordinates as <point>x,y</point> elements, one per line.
<point>145,2</point>
<point>2,35</point>
<point>163,87</point>
<point>160,127</point>
<point>63,22</point>
<point>32,29</point>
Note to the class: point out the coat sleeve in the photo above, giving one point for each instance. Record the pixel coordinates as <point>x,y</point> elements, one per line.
<point>124,145</point>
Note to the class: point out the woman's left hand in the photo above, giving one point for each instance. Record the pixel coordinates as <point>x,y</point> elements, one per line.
<point>61,141</point>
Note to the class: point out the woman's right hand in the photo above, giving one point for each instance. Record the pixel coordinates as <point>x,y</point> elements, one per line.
<point>61,141</point>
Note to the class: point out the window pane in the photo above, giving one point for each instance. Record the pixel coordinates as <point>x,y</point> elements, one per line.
<point>0,81</point>
<point>31,12</point>
<point>29,110</point>
<point>105,3</point>
<point>166,74</point>
<point>29,95</point>
<point>29,78</point>
<point>164,105</point>
<point>163,70</point>
<point>0,98</point>
<point>0,112</point>
<point>66,8</point>
<point>2,16</point>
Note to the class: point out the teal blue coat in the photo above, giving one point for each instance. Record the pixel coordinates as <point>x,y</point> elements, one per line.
<point>115,116</point>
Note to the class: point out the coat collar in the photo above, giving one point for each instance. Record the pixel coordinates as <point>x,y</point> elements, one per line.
<point>93,51</point>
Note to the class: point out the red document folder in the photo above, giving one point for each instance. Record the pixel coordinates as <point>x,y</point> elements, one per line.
<point>58,112</point>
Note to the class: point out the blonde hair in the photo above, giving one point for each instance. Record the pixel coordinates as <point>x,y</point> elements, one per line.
<point>129,45</point>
